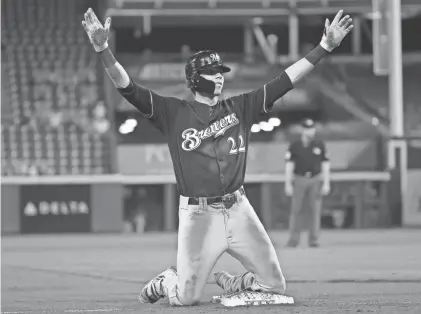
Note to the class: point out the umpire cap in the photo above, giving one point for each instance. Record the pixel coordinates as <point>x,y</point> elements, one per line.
<point>308,123</point>
<point>203,60</point>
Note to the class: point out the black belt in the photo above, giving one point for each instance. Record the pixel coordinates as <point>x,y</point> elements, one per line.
<point>307,174</point>
<point>228,200</point>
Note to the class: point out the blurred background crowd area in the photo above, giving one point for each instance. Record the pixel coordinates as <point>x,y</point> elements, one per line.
<point>60,114</point>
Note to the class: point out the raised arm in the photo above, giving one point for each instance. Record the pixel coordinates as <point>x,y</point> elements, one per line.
<point>151,105</point>
<point>332,37</point>
<point>262,99</point>
<point>114,69</point>
<point>98,34</point>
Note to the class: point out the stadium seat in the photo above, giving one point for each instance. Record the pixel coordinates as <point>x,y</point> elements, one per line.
<point>52,81</point>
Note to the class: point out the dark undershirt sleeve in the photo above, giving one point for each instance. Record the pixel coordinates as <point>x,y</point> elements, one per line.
<point>139,96</point>
<point>275,89</point>
<point>152,106</point>
<point>260,101</point>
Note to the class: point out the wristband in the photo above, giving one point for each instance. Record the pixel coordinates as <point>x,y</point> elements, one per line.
<point>316,55</point>
<point>101,48</point>
<point>325,46</point>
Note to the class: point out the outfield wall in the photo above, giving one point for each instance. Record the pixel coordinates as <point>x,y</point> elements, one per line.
<point>84,204</point>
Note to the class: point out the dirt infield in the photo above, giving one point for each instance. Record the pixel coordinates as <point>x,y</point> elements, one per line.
<point>370,271</point>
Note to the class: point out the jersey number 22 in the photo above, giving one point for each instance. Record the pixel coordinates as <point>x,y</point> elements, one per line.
<point>234,150</point>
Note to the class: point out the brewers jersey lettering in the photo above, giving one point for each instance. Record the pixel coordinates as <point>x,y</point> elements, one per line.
<point>208,145</point>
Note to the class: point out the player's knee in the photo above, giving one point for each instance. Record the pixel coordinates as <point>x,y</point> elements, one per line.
<point>277,285</point>
<point>183,301</point>
<point>278,282</point>
<point>189,300</point>
<point>280,285</point>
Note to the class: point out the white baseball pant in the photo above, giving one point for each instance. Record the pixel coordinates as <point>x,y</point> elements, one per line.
<point>205,233</point>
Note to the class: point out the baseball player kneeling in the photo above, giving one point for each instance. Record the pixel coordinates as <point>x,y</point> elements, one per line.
<point>208,139</point>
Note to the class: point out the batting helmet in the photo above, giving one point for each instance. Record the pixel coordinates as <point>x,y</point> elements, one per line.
<point>200,61</point>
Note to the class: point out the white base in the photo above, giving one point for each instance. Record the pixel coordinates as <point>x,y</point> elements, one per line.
<point>247,298</point>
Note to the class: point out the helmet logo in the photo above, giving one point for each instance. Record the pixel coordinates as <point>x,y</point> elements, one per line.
<point>214,57</point>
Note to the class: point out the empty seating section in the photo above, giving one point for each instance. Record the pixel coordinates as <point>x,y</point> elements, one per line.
<point>6,107</point>
<point>361,83</point>
<point>53,82</point>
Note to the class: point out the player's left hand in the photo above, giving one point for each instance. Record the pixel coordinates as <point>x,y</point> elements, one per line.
<point>98,34</point>
<point>334,33</point>
<point>325,189</point>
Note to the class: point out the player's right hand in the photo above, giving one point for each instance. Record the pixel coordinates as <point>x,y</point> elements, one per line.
<point>334,33</point>
<point>289,189</point>
<point>97,33</point>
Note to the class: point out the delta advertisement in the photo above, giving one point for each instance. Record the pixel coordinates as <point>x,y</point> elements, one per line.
<point>55,208</point>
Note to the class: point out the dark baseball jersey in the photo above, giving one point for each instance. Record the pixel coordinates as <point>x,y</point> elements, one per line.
<point>307,158</point>
<point>208,145</point>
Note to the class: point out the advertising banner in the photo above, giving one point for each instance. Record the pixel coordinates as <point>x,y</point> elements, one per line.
<point>55,208</point>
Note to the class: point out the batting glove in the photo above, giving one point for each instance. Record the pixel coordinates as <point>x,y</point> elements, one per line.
<point>334,33</point>
<point>97,33</point>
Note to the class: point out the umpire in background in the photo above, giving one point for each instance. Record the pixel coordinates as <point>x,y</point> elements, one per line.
<point>307,178</point>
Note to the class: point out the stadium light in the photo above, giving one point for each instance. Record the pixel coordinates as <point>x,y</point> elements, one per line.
<point>375,121</point>
<point>255,128</point>
<point>265,126</point>
<point>131,122</point>
<point>128,126</point>
<point>275,121</point>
